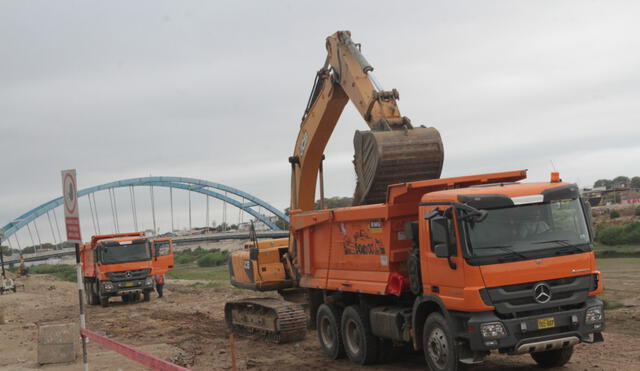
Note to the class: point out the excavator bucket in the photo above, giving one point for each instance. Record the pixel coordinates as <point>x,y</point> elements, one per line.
<point>383,158</point>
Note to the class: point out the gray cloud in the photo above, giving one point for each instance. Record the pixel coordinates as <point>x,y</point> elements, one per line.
<point>215,90</point>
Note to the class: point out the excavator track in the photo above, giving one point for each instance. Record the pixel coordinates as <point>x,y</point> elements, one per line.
<point>383,158</point>
<point>279,321</point>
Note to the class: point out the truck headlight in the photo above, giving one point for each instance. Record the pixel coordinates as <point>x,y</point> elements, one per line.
<point>107,285</point>
<point>148,281</point>
<point>593,315</point>
<point>493,330</point>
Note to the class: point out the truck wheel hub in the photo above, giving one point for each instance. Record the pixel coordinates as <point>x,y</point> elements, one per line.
<point>327,333</point>
<point>353,337</point>
<point>438,346</point>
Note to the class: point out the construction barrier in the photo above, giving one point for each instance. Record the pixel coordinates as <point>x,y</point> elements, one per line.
<point>132,353</point>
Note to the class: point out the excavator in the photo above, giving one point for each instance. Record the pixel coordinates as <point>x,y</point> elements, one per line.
<point>392,151</point>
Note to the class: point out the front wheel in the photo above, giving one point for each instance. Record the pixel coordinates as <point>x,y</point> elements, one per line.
<point>438,344</point>
<point>553,358</point>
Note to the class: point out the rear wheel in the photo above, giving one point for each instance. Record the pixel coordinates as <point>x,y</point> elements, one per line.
<point>438,345</point>
<point>360,344</point>
<point>104,300</point>
<point>553,358</point>
<point>327,324</point>
<point>88,293</point>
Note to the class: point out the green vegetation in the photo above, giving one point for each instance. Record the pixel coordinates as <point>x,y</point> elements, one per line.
<point>621,180</point>
<point>201,264</point>
<point>192,272</point>
<point>619,234</point>
<point>637,212</point>
<point>611,304</point>
<point>213,259</point>
<point>65,272</point>
<point>204,258</point>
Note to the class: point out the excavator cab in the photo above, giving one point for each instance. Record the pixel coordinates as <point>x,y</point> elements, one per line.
<point>261,266</point>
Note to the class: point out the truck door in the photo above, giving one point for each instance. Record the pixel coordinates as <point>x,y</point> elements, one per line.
<point>445,276</point>
<point>162,250</point>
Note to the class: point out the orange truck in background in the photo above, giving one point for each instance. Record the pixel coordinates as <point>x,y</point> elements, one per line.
<point>123,265</point>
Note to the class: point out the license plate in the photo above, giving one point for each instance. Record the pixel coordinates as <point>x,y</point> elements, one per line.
<point>546,323</point>
<point>129,284</point>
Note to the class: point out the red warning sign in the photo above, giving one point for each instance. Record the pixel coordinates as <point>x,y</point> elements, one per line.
<point>70,198</point>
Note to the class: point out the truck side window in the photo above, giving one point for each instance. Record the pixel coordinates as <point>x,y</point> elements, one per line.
<point>451,236</point>
<point>162,248</point>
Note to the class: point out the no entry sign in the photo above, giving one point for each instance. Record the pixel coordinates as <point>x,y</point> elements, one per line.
<point>70,198</point>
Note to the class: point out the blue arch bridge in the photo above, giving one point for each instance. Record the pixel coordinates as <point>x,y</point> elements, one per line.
<point>243,201</point>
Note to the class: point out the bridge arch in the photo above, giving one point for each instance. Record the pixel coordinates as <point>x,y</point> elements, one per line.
<point>190,184</point>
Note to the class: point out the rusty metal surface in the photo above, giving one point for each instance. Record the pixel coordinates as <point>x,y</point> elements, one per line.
<point>279,321</point>
<point>383,158</point>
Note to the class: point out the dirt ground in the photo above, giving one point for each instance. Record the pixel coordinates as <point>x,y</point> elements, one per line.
<point>187,327</point>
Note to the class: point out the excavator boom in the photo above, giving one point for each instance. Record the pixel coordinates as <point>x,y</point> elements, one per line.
<point>392,151</point>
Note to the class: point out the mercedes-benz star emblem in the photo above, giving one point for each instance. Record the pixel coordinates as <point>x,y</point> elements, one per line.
<point>127,274</point>
<point>542,293</point>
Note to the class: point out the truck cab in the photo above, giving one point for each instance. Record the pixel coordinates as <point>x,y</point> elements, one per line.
<point>513,265</point>
<point>123,265</point>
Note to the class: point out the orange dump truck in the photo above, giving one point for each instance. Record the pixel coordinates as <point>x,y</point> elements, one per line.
<point>457,267</point>
<point>123,265</point>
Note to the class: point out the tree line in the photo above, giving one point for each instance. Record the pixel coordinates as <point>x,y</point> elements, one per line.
<point>619,181</point>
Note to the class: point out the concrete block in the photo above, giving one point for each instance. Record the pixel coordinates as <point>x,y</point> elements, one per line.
<point>58,343</point>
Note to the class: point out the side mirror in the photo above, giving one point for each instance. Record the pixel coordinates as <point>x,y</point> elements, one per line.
<point>586,205</point>
<point>442,250</point>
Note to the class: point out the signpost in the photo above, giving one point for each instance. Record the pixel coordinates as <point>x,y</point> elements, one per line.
<point>72,223</point>
<point>2,254</point>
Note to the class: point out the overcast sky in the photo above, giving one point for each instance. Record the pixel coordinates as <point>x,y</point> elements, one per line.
<point>215,90</point>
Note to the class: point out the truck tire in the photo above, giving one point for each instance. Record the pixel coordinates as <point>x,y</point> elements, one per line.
<point>553,358</point>
<point>438,345</point>
<point>125,298</point>
<point>327,324</point>
<point>104,300</point>
<point>94,293</point>
<point>147,295</point>
<point>88,293</point>
<point>360,345</point>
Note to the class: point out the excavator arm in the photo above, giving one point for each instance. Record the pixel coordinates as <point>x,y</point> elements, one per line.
<point>392,152</point>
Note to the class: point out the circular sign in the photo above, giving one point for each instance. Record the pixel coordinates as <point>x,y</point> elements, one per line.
<point>70,199</point>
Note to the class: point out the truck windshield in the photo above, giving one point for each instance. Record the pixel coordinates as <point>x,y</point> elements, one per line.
<point>520,231</point>
<point>125,253</point>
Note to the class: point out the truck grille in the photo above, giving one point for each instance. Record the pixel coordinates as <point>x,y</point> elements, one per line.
<point>129,275</point>
<point>519,300</point>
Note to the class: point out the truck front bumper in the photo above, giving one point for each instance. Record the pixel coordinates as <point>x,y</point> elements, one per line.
<point>114,288</point>
<point>536,333</point>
